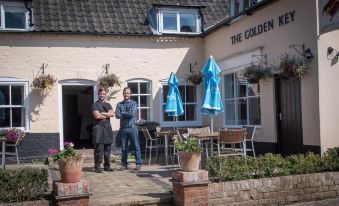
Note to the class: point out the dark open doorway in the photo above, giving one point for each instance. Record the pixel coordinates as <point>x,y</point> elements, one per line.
<point>77,115</point>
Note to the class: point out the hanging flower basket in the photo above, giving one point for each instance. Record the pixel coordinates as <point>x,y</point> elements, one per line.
<point>195,77</point>
<point>109,80</point>
<point>13,135</point>
<point>43,81</point>
<point>254,73</point>
<point>292,66</point>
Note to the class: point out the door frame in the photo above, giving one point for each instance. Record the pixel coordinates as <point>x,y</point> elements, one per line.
<point>72,82</point>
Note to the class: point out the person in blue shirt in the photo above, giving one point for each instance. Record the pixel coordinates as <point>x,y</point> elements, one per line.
<point>126,111</point>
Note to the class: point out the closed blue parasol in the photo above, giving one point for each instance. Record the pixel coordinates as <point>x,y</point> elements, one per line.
<point>211,103</point>
<point>173,104</point>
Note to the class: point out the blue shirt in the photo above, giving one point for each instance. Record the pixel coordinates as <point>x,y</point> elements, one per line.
<point>126,111</point>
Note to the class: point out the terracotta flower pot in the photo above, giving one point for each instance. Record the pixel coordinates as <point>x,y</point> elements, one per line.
<point>70,171</point>
<point>189,162</point>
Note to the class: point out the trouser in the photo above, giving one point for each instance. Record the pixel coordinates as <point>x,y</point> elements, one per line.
<point>102,150</point>
<point>130,134</point>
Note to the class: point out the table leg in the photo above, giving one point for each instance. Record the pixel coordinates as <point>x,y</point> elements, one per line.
<point>211,143</point>
<point>166,150</point>
<point>3,155</point>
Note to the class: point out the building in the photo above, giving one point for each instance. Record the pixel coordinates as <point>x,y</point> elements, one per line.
<point>142,42</point>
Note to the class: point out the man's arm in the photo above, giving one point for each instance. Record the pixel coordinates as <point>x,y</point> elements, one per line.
<point>110,113</point>
<point>98,115</point>
<point>118,114</point>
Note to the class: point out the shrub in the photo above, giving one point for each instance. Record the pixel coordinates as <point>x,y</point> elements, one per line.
<point>188,145</point>
<point>23,184</point>
<point>271,165</point>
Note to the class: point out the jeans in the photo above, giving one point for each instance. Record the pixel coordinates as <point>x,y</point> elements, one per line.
<point>130,134</point>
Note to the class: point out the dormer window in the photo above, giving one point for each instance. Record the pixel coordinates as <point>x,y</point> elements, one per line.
<point>237,6</point>
<point>13,16</point>
<point>178,21</point>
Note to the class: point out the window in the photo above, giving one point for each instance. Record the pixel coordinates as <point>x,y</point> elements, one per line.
<point>141,93</point>
<point>237,6</point>
<point>13,16</point>
<point>241,100</point>
<point>182,21</point>
<point>13,104</point>
<point>189,98</point>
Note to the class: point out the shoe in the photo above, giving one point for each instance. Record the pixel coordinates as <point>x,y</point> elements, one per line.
<point>98,170</point>
<point>137,168</point>
<point>108,169</point>
<point>122,168</point>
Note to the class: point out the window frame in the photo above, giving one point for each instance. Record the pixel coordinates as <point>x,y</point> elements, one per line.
<point>182,82</point>
<point>177,12</point>
<point>247,97</point>
<point>241,5</point>
<point>18,82</point>
<point>2,16</point>
<point>150,96</point>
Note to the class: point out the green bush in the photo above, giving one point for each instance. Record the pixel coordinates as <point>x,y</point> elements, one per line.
<point>271,165</point>
<point>23,184</point>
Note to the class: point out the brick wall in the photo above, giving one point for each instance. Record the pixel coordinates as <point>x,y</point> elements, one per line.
<point>276,190</point>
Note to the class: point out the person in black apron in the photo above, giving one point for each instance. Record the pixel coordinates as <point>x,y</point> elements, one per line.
<point>102,134</point>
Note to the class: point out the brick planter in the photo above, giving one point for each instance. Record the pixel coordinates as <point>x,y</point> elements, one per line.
<point>71,193</point>
<point>276,190</point>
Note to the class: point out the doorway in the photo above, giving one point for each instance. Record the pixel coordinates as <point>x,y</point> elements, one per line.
<point>76,114</point>
<point>289,116</point>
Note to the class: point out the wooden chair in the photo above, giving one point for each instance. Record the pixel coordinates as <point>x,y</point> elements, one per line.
<point>151,143</point>
<point>250,133</point>
<point>228,140</point>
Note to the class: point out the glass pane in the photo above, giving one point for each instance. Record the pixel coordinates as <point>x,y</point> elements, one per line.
<point>242,111</point>
<point>253,89</point>
<point>15,17</point>
<point>144,101</point>
<point>188,22</point>
<point>229,86</point>
<point>166,117</point>
<point>230,112</point>
<point>165,92</point>
<point>145,88</point>
<point>135,98</point>
<point>4,95</point>
<point>191,94</point>
<point>236,7</point>
<point>254,111</point>
<point>18,117</point>
<point>4,117</point>
<point>180,118</point>
<point>246,4</point>
<point>190,112</point>
<point>17,95</point>
<point>145,114</point>
<point>133,86</point>
<point>182,93</point>
<point>241,85</point>
<point>169,21</point>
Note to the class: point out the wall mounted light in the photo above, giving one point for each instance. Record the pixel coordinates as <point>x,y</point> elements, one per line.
<point>307,54</point>
<point>332,53</point>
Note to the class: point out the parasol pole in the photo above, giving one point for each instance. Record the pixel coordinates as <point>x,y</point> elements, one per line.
<point>211,117</point>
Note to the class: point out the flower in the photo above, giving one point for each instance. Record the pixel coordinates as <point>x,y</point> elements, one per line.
<point>68,154</point>
<point>187,144</point>
<point>254,73</point>
<point>109,80</point>
<point>195,77</point>
<point>14,135</point>
<point>292,66</point>
<point>43,81</point>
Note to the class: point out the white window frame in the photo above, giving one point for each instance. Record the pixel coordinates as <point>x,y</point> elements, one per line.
<point>18,82</point>
<point>177,12</point>
<point>197,122</point>
<point>138,95</point>
<point>2,13</point>
<point>241,6</point>
<point>247,97</point>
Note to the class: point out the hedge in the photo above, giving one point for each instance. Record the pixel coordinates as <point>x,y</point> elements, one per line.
<point>23,184</point>
<point>271,165</point>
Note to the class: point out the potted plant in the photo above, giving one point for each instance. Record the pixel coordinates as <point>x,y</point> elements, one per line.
<point>292,66</point>
<point>70,162</point>
<point>43,81</point>
<point>109,80</point>
<point>189,153</point>
<point>195,77</point>
<point>254,73</point>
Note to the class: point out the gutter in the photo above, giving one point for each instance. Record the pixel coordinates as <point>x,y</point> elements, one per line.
<point>228,20</point>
